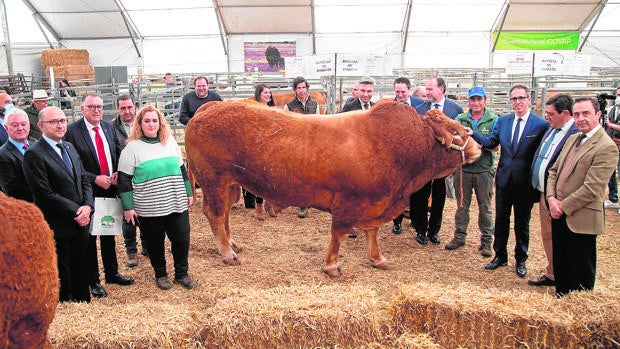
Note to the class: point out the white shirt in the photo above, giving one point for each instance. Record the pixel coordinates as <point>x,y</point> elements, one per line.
<point>522,127</point>
<point>106,146</point>
<point>547,157</point>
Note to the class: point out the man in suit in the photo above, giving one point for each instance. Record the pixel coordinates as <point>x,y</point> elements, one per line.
<point>575,194</point>
<point>354,92</point>
<point>427,229</point>
<point>122,125</point>
<point>12,179</point>
<point>402,92</point>
<point>559,113</point>
<point>96,142</point>
<point>6,105</point>
<point>364,96</point>
<point>62,191</point>
<point>518,133</point>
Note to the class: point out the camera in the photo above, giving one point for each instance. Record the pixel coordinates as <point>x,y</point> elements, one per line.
<point>602,103</point>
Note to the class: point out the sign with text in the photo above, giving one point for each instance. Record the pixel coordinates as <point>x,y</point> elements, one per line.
<point>530,41</point>
<point>357,65</point>
<point>341,64</point>
<point>561,64</point>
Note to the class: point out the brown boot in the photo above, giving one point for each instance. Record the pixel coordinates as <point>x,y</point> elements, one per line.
<point>485,249</point>
<point>260,211</point>
<point>132,260</point>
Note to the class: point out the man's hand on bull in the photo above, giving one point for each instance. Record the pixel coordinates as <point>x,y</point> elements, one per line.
<point>469,131</point>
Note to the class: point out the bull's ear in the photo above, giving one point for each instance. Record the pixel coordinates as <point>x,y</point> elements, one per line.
<point>440,124</point>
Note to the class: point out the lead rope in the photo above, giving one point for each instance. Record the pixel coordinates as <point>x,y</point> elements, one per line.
<point>462,150</point>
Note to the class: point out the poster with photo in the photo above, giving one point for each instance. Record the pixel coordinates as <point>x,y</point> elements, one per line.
<point>267,56</point>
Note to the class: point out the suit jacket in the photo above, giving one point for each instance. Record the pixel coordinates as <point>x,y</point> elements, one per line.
<point>514,168</point>
<point>78,135</point>
<point>584,188</point>
<point>355,104</point>
<point>450,108</point>
<point>4,136</point>
<point>57,191</point>
<point>413,101</point>
<point>554,156</point>
<point>12,178</point>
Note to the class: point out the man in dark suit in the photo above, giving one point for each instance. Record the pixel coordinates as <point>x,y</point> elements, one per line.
<point>96,142</point>
<point>6,104</point>
<point>559,113</point>
<point>12,178</point>
<point>575,194</point>
<point>402,91</point>
<point>62,191</point>
<point>364,96</point>
<point>519,134</point>
<point>427,229</point>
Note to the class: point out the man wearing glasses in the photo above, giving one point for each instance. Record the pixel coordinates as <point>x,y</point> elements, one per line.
<point>97,144</point>
<point>62,191</point>
<point>518,133</point>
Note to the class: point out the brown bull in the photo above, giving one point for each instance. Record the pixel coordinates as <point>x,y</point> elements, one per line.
<point>359,166</point>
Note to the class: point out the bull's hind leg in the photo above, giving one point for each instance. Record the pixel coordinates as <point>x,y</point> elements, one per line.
<point>216,205</point>
<point>331,267</point>
<point>374,251</point>
<point>234,194</point>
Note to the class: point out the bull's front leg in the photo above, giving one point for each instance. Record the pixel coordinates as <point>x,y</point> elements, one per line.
<point>331,267</point>
<point>374,251</point>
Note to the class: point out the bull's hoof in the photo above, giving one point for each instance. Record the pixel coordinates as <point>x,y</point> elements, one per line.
<point>333,271</point>
<point>235,247</point>
<point>232,260</point>
<point>383,264</point>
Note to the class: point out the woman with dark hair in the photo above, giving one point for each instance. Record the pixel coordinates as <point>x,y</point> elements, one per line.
<point>262,94</point>
<point>155,190</point>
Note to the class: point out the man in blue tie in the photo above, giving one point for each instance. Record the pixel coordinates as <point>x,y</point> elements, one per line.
<point>559,113</point>
<point>518,133</point>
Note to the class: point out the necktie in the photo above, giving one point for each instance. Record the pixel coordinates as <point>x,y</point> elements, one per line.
<point>103,162</point>
<point>542,155</point>
<point>580,139</point>
<point>366,106</point>
<point>65,156</point>
<point>25,146</point>
<point>436,105</point>
<point>515,136</point>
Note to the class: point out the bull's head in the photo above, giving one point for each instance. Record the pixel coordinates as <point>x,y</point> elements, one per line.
<point>452,135</point>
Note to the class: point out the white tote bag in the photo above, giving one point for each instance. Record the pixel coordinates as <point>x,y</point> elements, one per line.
<point>108,217</point>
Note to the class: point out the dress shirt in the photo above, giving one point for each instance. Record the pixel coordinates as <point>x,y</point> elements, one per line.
<point>18,145</point>
<point>441,103</point>
<point>106,146</point>
<point>52,143</point>
<point>524,121</point>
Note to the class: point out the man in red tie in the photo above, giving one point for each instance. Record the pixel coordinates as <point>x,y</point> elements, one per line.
<point>97,144</point>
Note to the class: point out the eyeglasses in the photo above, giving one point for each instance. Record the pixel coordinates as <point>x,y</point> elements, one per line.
<point>94,107</point>
<point>520,98</point>
<point>55,122</point>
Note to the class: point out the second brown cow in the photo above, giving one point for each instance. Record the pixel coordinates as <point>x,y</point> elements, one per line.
<point>359,166</point>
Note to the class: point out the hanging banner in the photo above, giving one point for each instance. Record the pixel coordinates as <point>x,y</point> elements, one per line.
<point>532,41</point>
<point>561,64</point>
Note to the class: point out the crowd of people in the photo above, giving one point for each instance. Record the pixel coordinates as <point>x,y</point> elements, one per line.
<point>566,161</point>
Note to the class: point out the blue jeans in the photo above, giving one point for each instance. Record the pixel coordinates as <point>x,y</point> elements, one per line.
<point>129,234</point>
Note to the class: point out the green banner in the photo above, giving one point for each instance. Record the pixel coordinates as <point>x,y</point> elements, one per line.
<point>530,41</point>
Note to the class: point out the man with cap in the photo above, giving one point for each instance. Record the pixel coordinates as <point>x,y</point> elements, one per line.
<point>477,177</point>
<point>39,102</point>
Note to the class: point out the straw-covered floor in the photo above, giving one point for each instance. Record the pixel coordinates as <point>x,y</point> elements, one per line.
<point>278,296</point>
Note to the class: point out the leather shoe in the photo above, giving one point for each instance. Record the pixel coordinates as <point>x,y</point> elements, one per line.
<point>496,263</point>
<point>542,280</point>
<point>434,239</point>
<point>421,238</point>
<point>521,269</point>
<point>97,290</point>
<point>396,229</point>
<point>119,280</point>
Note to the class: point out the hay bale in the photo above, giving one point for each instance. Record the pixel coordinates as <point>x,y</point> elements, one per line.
<point>64,56</point>
<point>498,319</point>
<point>73,73</point>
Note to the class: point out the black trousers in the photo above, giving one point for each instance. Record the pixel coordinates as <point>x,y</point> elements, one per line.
<point>73,270</point>
<point>574,258</point>
<point>420,220</point>
<point>108,257</point>
<point>176,227</point>
<point>506,199</point>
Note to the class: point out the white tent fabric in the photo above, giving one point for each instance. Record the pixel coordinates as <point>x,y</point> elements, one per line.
<point>193,36</point>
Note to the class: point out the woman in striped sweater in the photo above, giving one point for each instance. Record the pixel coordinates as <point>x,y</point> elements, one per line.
<point>155,191</point>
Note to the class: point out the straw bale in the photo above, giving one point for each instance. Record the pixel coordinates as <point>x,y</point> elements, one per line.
<point>64,56</point>
<point>471,316</point>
